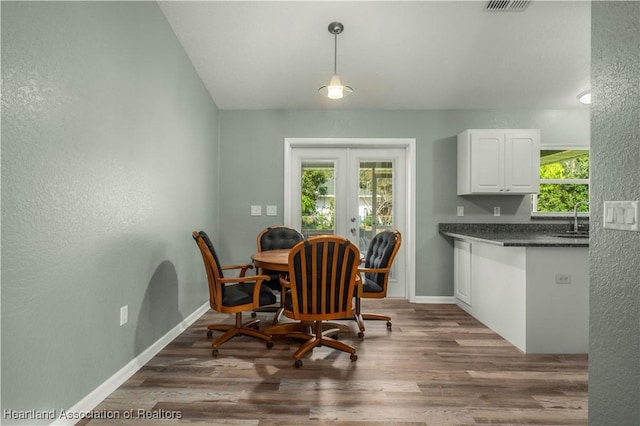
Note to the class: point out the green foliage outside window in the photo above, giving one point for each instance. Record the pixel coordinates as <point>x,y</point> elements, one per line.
<point>377,178</point>
<point>313,188</point>
<point>562,197</point>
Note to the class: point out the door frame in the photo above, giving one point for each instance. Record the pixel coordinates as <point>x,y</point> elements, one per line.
<point>409,145</point>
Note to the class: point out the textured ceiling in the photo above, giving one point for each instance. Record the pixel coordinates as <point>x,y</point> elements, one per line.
<point>395,55</point>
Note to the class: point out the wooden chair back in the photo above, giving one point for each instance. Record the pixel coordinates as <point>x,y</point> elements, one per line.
<point>322,278</point>
<point>278,237</point>
<point>212,268</point>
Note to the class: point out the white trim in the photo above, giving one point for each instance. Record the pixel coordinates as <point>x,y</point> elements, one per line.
<point>558,215</point>
<point>438,300</point>
<point>552,147</point>
<point>565,181</point>
<point>94,398</point>
<point>348,142</point>
<point>409,144</point>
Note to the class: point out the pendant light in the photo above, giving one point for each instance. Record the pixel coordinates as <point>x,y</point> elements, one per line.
<point>335,89</point>
<point>585,97</point>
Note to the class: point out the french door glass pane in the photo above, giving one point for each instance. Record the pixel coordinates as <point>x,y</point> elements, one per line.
<point>318,197</point>
<point>375,200</point>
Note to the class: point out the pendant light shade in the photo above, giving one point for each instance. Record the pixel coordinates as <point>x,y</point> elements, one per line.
<point>585,97</point>
<point>335,89</point>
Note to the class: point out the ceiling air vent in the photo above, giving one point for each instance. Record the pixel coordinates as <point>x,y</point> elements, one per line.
<point>506,5</point>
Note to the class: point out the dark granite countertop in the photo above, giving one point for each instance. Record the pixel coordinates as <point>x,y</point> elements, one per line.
<point>514,234</point>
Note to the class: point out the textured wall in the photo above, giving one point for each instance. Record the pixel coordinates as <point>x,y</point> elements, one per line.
<point>109,144</point>
<point>614,352</point>
<point>253,141</point>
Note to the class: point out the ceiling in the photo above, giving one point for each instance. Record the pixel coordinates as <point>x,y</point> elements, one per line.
<point>396,55</point>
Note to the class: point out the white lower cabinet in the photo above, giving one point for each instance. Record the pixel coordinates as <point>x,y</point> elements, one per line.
<point>462,271</point>
<point>537,298</point>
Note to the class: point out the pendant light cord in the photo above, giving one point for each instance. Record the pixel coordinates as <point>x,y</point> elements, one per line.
<point>335,54</point>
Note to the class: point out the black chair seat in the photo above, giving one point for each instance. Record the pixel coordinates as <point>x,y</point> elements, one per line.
<point>274,282</point>
<point>242,293</point>
<point>370,286</point>
<point>288,303</point>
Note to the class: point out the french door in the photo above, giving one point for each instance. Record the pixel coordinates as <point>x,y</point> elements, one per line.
<point>353,190</point>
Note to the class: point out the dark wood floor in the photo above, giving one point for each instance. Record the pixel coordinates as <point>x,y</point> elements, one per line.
<point>438,366</point>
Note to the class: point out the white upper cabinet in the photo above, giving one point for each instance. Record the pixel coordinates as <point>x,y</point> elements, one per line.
<point>500,161</point>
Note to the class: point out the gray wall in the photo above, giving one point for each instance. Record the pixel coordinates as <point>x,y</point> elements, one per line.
<point>110,158</point>
<point>252,145</point>
<point>614,350</point>
<point>109,147</point>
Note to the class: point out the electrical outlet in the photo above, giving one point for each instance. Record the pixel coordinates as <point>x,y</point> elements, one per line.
<point>496,211</point>
<point>256,210</point>
<point>563,279</point>
<point>460,210</point>
<point>124,315</point>
<point>272,210</point>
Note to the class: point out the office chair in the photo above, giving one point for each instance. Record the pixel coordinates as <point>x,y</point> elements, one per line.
<point>374,277</point>
<point>320,287</point>
<point>233,295</point>
<point>275,238</point>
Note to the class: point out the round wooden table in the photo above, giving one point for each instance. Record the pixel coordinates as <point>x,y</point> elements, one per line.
<point>272,260</point>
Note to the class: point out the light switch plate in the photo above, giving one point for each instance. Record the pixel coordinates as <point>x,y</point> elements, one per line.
<point>460,211</point>
<point>621,215</point>
<point>256,210</point>
<point>272,210</point>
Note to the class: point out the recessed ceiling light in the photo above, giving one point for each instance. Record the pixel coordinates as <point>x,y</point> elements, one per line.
<point>585,97</point>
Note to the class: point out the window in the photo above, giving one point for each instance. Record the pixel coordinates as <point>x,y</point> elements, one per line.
<point>318,197</point>
<point>564,181</point>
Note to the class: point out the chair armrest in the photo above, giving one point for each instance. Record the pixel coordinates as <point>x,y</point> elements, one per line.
<point>243,268</point>
<point>284,282</point>
<point>236,280</point>
<point>359,288</point>
<point>381,270</point>
<point>237,266</point>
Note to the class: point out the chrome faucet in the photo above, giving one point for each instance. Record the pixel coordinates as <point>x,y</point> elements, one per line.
<point>575,214</point>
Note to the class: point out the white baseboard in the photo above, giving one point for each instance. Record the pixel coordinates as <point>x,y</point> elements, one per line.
<point>434,299</point>
<point>94,398</point>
